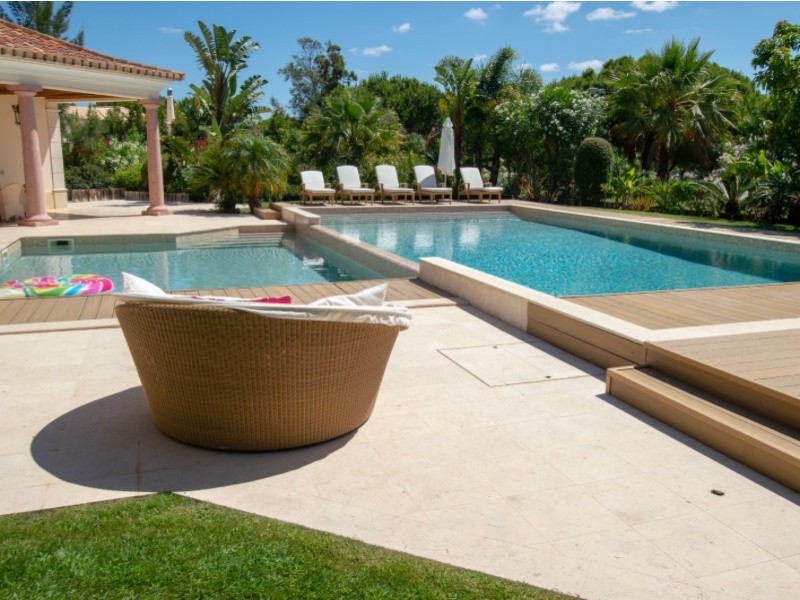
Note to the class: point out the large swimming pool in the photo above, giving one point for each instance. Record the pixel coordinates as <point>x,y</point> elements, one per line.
<point>569,262</point>
<point>215,263</point>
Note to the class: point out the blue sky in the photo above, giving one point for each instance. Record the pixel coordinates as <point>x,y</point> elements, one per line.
<point>408,38</point>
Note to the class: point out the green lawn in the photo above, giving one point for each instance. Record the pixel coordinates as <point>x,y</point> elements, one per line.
<point>168,546</point>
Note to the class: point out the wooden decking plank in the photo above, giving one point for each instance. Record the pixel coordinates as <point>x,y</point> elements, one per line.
<point>706,306</point>
<point>67,309</point>
<point>25,314</point>
<point>43,309</point>
<point>406,290</point>
<point>9,309</point>
<point>90,308</point>
<point>302,294</point>
<point>106,308</point>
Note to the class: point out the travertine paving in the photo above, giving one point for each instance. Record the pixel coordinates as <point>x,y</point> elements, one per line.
<point>488,449</point>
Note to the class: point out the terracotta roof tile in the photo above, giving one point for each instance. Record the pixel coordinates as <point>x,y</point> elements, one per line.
<point>22,42</point>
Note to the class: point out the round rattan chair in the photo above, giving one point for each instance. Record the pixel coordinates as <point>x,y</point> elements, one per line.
<point>228,379</point>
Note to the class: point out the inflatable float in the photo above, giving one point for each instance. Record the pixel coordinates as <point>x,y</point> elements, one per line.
<point>52,285</point>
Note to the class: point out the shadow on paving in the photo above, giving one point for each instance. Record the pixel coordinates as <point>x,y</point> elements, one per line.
<point>112,443</point>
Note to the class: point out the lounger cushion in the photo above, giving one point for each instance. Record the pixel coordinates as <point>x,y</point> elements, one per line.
<point>365,306</point>
<point>313,180</point>
<point>131,284</point>
<point>373,296</point>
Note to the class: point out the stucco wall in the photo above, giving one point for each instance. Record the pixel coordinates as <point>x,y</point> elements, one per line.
<point>11,169</point>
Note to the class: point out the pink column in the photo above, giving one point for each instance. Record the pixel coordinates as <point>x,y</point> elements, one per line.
<point>36,207</point>
<point>155,177</point>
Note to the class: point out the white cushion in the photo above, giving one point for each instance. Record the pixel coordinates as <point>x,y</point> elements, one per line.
<point>373,296</point>
<point>365,306</point>
<point>426,177</point>
<point>387,176</point>
<point>313,180</point>
<point>131,284</point>
<point>472,177</point>
<point>348,177</point>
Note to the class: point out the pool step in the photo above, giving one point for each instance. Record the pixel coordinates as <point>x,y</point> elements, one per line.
<point>757,371</point>
<point>764,445</point>
<point>243,239</point>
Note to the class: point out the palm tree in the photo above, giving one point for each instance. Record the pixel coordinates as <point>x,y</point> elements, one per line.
<point>671,101</point>
<point>353,128</point>
<point>244,166</point>
<point>494,83</point>
<point>42,17</point>
<point>223,58</point>
<point>458,79</point>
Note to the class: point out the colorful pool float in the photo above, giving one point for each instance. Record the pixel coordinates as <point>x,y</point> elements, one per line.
<point>52,285</point>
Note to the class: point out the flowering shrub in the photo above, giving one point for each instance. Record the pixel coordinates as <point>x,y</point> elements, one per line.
<point>542,133</point>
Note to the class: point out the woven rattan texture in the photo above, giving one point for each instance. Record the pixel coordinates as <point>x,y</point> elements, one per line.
<point>222,378</point>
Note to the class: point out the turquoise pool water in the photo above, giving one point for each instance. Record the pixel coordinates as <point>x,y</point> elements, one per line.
<point>274,260</point>
<point>570,262</point>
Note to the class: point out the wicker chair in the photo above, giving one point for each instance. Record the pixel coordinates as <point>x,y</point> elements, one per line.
<point>227,379</point>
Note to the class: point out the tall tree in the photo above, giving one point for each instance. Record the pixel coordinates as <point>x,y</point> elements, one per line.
<point>494,84</point>
<point>43,17</point>
<point>458,79</point>
<point>314,73</point>
<point>672,100</point>
<point>777,63</point>
<point>352,127</point>
<point>415,102</point>
<point>223,58</point>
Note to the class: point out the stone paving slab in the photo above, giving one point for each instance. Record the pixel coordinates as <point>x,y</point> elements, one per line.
<point>548,481</point>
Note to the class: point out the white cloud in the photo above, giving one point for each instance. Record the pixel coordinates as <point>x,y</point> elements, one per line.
<point>524,66</point>
<point>554,14</point>
<point>609,14</point>
<point>404,28</point>
<point>645,30</point>
<point>587,64</point>
<point>170,30</point>
<point>654,5</point>
<point>549,68</point>
<point>497,7</point>
<point>376,50</point>
<point>476,14</point>
<point>479,57</point>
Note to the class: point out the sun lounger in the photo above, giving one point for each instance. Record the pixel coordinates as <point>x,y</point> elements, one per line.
<point>427,187</point>
<point>389,185</point>
<point>312,187</point>
<point>350,185</point>
<point>473,186</point>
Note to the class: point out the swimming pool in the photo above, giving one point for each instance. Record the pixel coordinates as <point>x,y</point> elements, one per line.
<point>571,262</point>
<point>282,259</point>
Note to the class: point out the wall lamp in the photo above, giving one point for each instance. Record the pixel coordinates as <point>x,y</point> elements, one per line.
<point>15,110</point>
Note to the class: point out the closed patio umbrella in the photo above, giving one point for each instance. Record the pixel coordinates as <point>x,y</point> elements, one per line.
<point>447,156</point>
<point>170,111</point>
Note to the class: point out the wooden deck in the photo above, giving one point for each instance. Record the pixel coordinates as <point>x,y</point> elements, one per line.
<point>769,360</point>
<point>81,308</point>
<point>687,308</point>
